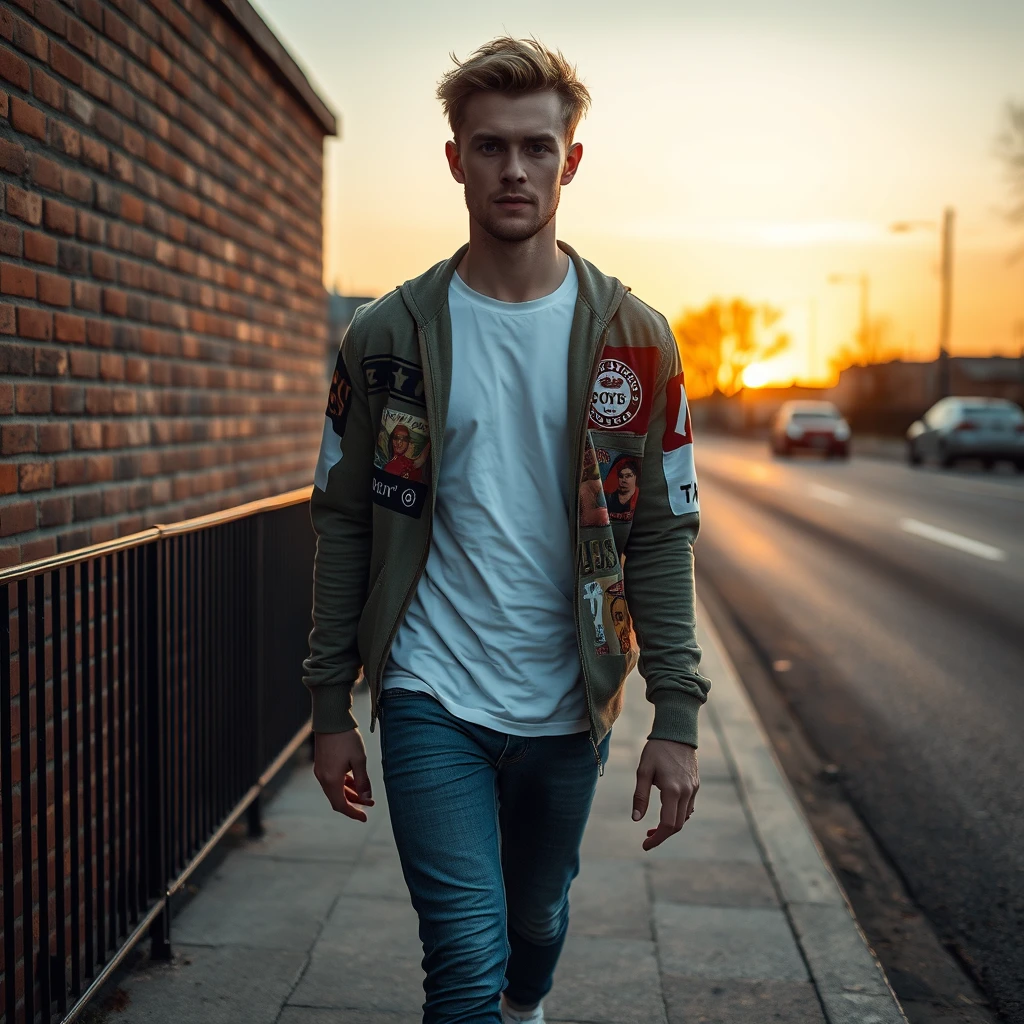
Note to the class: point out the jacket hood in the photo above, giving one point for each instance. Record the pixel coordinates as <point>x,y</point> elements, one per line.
<point>426,295</point>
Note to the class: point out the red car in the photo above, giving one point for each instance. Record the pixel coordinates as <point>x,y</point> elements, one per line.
<point>812,427</point>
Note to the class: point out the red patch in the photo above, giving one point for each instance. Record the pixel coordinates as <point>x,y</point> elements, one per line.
<point>624,389</point>
<point>677,416</point>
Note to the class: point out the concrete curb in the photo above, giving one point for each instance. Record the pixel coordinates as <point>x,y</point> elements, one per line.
<point>849,979</point>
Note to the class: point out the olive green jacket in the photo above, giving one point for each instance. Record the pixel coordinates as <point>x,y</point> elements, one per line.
<point>373,500</point>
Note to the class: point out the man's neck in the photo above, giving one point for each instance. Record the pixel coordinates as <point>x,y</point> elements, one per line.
<point>513,271</point>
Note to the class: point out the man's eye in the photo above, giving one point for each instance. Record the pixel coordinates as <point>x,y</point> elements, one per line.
<point>488,147</point>
<point>537,148</point>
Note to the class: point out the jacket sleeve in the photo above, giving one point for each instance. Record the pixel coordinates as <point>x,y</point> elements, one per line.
<point>341,512</point>
<point>659,562</point>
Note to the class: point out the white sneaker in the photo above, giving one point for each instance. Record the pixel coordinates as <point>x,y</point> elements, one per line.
<point>510,1016</point>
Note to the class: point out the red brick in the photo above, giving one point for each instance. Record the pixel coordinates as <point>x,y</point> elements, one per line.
<point>125,402</point>
<point>54,290</point>
<point>7,318</point>
<point>65,139</point>
<point>54,437</point>
<point>87,435</point>
<point>98,401</point>
<point>35,476</point>
<point>78,186</point>
<point>12,157</point>
<point>14,69</point>
<point>160,62</point>
<point>87,296</point>
<point>30,39</point>
<point>32,399</point>
<point>111,367</point>
<point>104,266</point>
<point>99,333</point>
<point>137,371</point>
<point>17,438</point>
<point>50,362</point>
<point>55,512</point>
<point>68,399</point>
<point>17,518</point>
<point>45,173</point>
<point>59,217</point>
<point>115,302</point>
<point>92,11</point>
<point>45,547</point>
<point>15,280</point>
<point>109,58</point>
<point>81,38</point>
<point>47,89</point>
<point>65,63</point>
<point>99,469</point>
<point>91,228</point>
<point>95,83</point>
<point>8,478</point>
<point>26,206</point>
<point>68,328</point>
<point>35,323</point>
<point>84,364</point>
<point>5,103</point>
<point>10,556</point>
<point>40,248</point>
<point>68,472</point>
<point>6,399</point>
<point>10,239</point>
<point>28,119</point>
<point>132,208</point>
<point>51,16</point>
<point>95,154</point>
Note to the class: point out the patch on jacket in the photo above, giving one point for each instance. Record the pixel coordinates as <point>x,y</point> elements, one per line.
<point>593,510</point>
<point>620,478</point>
<point>401,463</point>
<point>677,448</point>
<point>335,417</point>
<point>613,627</point>
<point>399,377</point>
<point>624,388</point>
<point>598,555</point>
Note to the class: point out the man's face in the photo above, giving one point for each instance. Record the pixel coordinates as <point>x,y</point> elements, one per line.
<point>512,158</point>
<point>399,442</point>
<point>627,480</point>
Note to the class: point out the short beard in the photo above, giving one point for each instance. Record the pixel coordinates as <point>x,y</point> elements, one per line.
<point>513,232</point>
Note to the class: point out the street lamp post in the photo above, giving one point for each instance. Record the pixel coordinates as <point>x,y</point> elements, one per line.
<point>946,290</point>
<point>865,287</point>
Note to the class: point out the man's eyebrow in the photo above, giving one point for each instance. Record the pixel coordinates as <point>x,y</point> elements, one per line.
<point>546,137</point>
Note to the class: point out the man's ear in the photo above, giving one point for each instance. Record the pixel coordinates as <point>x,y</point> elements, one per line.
<point>573,157</point>
<point>451,151</point>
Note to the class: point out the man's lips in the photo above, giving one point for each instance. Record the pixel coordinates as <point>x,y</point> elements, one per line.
<point>514,201</point>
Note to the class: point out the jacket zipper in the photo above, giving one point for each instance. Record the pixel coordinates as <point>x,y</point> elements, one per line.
<point>379,676</point>
<point>581,440</point>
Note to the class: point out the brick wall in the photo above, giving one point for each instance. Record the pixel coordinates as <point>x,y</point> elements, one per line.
<point>162,316</point>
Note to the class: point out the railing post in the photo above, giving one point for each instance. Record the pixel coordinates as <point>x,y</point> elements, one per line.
<point>155,759</point>
<point>254,814</point>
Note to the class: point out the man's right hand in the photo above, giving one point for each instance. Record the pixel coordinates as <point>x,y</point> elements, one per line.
<point>339,765</point>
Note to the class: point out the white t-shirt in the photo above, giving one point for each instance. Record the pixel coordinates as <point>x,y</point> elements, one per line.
<point>490,631</point>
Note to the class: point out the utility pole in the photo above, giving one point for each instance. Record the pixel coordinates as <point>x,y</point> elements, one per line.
<point>812,338</point>
<point>946,307</point>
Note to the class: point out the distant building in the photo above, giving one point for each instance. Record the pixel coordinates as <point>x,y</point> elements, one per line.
<point>340,310</point>
<point>883,398</point>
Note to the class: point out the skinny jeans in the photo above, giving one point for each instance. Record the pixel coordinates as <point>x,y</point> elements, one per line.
<point>488,828</point>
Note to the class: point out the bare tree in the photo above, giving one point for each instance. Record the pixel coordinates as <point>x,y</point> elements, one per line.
<point>1010,148</point>
<point>868,347</point>
<point>720,340</point>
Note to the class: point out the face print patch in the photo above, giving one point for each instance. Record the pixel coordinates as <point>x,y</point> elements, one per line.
<point>339,399</point>
<point>605,598</point>
<point>623,389</point>
<point>620,476</point>
<point>401,463</point>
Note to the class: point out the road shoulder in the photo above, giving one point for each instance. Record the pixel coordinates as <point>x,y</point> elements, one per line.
<point>848,977</point>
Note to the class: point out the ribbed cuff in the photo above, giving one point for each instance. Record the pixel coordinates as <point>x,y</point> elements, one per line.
<point>332,708</point>
<point>675,717</point>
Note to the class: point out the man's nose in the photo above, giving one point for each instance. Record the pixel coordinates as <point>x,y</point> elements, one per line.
<point>514,168</point>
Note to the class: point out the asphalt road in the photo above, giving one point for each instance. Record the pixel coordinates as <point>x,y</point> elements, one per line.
<point>891,602</point>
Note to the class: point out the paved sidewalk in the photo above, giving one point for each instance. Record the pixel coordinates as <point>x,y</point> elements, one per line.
<point>734,921</point>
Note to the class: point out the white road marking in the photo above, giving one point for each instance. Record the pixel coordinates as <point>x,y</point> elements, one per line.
<point>830,494</point>
<point>952,540</point>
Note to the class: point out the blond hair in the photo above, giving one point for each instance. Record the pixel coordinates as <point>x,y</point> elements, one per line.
<point>513,66</point>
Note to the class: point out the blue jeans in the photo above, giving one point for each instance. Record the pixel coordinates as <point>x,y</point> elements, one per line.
<point>488,828</point>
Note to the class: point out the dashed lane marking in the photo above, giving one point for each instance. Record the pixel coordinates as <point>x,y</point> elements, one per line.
<point>953,540</point>
<point>830,495</point>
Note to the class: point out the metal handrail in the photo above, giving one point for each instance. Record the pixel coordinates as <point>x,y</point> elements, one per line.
<point>134,540</point>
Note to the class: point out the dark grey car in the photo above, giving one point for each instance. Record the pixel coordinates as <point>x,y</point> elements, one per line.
<point>988,429</point>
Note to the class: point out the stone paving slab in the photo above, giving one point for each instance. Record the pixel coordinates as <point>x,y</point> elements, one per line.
<point>735,920</point>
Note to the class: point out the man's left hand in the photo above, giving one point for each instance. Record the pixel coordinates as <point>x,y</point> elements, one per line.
<point>672,767</point>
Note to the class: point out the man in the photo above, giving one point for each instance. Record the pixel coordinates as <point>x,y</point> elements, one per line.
<point>486,602</point>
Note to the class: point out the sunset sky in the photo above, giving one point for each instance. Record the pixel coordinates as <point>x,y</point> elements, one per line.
<point>737,147</point>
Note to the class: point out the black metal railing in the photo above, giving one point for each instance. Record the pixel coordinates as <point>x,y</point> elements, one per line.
<point>149,689</point>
